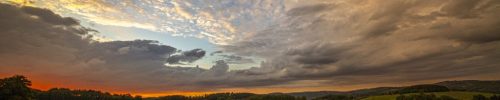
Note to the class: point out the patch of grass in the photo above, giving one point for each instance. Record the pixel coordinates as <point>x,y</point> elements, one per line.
<point>455,94</point>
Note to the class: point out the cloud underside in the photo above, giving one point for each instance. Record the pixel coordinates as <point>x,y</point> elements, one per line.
<point>349,42</point>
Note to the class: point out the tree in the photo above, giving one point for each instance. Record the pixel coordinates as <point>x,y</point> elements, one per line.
<point>16,87</point>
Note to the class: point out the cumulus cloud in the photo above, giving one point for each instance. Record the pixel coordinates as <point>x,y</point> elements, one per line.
<point>220,67</point>
<point>187,56</point>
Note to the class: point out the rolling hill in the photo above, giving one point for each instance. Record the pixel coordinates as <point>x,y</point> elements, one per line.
<point>455,94</point>
<point>472,85</point>
<point>465,87</point>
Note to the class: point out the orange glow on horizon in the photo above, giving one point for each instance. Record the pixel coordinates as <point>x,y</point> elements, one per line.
<point>173,93</point>
<point>43,83</point>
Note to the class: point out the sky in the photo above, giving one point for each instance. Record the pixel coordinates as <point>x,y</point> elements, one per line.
<point>164,47</point>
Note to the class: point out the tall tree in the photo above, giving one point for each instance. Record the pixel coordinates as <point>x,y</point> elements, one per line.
<point>15,88</point>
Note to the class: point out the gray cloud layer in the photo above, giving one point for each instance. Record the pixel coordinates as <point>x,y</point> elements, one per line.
<point>349,42</point>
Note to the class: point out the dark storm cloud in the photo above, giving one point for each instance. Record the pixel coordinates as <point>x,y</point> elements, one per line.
<point>186,56</point>
<point>49,16</point>
<point>27,33</point>
<point>318,54</point>
<point>215,52</point>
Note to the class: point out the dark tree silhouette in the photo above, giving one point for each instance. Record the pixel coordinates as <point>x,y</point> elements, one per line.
<point>18,88</point>
<point>15,88</point>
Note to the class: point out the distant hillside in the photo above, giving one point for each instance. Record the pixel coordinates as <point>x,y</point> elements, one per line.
<point>361,92</point>
<point>466,85</point>
<point>473,85</point>
<point>313,94</point>
<point>453,94</point>
<point>374,91</point>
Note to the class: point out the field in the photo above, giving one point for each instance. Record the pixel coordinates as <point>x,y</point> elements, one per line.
<point>454,94</point>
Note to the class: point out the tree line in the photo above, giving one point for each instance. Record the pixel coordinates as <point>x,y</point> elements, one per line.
<point>18,88</point>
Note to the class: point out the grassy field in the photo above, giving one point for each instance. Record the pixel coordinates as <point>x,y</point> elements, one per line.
<point>454,94</point>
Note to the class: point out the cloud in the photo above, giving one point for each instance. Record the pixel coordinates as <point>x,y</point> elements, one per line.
<point>187,56</point>
<point>310,9</point>
<point>54,49</point>
<point>220,67</point>
<point>234,59</point>
<point>341,42</point>
<point>182,10</point>
<point>99,12</point>
<point>347,41</point>
<point>215,52</point>
<point>49,16</point>
<point>221,22</point>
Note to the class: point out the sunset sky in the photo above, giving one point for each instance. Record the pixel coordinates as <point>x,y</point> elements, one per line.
<point>191,47</point>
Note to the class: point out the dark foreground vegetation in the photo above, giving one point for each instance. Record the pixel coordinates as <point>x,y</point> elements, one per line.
<point>18,88</point>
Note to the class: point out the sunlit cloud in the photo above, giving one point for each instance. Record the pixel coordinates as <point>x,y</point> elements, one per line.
<point>224,20</point>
